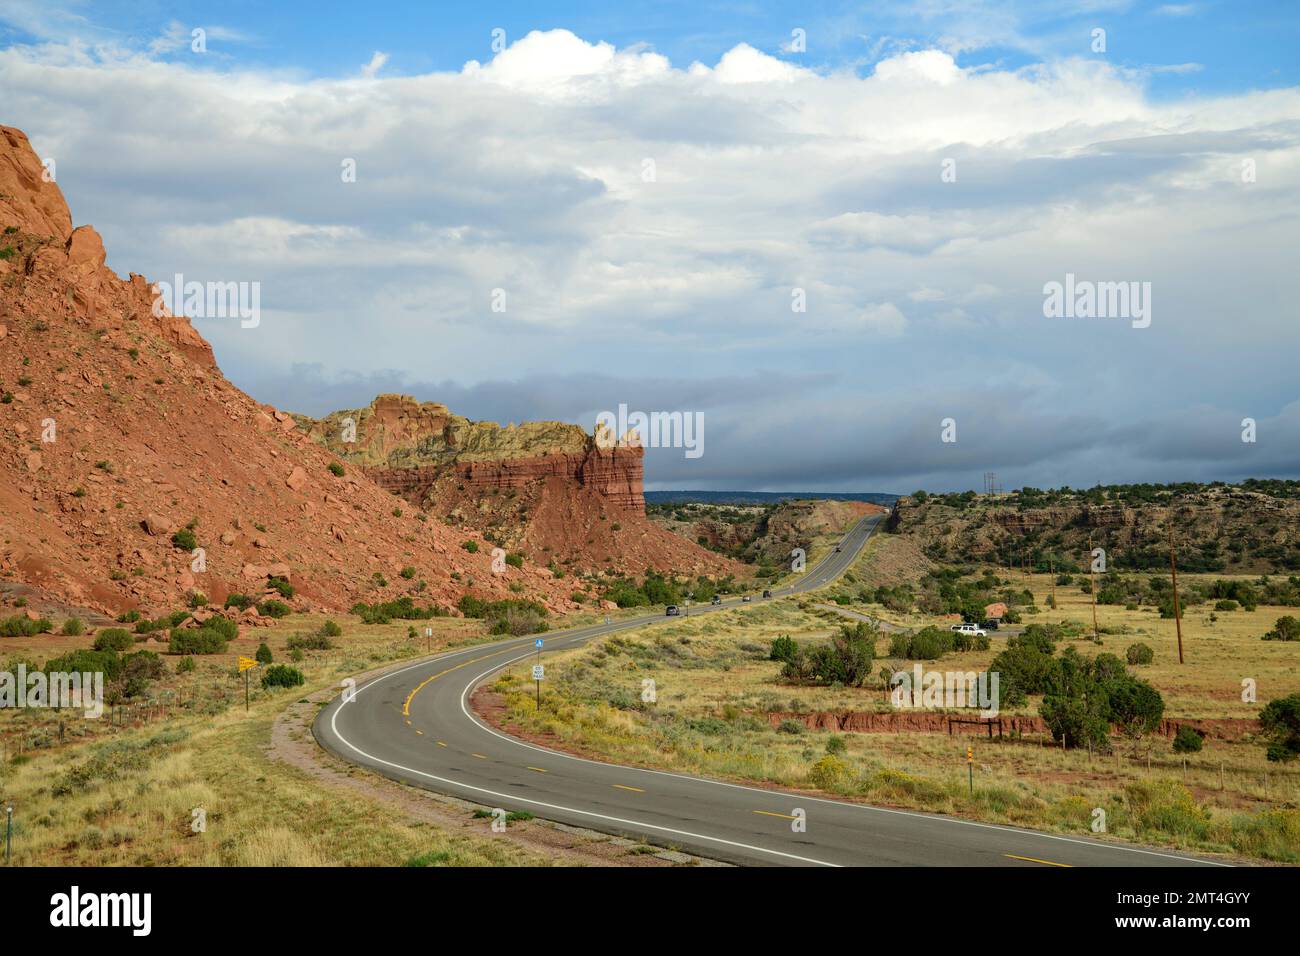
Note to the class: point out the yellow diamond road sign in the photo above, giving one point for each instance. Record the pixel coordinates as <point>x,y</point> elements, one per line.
<point>246,663</point>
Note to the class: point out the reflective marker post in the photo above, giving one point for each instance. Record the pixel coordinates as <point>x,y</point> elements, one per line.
<point>970,768</point>
<point>538,672</point>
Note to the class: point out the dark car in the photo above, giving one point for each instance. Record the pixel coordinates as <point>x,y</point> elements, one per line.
<point>717,599</point>
<point>767,594</point>
<point>991,624</point>
<point>672,610</point>
<point>837,549</point>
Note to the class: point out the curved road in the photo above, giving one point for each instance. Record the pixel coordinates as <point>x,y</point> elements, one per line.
<point>414,724</point>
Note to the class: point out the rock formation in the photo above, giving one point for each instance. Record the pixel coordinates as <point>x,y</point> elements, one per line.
<point>548,489</point>
<point>117,430</point>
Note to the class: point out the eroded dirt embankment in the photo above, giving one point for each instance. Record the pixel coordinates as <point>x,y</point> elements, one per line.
<point>933,722</point>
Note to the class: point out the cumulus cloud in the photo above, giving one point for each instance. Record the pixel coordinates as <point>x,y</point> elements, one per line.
<point>570,211</point>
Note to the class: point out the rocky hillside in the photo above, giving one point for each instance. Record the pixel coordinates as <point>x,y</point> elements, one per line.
<point>119,431</point>
<point>763,535</point>
<point>1251,528</point>
<point>547,490</point>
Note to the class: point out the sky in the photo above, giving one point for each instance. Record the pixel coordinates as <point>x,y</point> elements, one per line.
<point>829,229</point>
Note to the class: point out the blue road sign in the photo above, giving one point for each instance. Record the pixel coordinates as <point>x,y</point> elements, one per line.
<point>538,642</point>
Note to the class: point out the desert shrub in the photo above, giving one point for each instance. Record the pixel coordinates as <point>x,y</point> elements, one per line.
<point>109,663</point>
<point>1287,628</point>
<point>281,675</point>
<point>1166,807</point>
<point>185,665</point>
<point>1225,605</point>
<point>263,655</point>
<point>202,640</point>
<point>114,639</point>
<point>241,601</point>
<point>309,642</point>
<point>1188,740</point>
<point>336,469</point>
<point>408,572</point>
<point>790,727</point>
<point>139,670</point>
<point>185,540</point>
<point>1280,723</point>
<point>273,608</point>
<point>470,546</point>
<point>835,744</point>
<point>20,625</point>
<point>331,629</point>
<point>927,644</point>
<point>829,772</point>
<point>515,560</point>
<point>282,586</point>
<point>73,627</point>
<point>401,609</point>
<point>784,649</point>
<point>1139,654</point>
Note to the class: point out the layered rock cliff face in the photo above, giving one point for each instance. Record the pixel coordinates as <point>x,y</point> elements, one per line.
<point>548,489</point>
<point>117,430</point>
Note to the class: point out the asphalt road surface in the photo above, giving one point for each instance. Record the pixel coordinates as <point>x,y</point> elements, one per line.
<point>414,724</point>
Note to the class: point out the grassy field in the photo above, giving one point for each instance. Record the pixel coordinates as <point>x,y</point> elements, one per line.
<point>714,689</point>
<point>110,794</point>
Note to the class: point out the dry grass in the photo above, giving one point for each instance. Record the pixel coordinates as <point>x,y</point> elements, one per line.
<point>715,686</point>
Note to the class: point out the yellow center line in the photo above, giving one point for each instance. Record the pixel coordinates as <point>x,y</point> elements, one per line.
<point>619,786</point>
<point>441,744</point>
<point>769,813</point>
<point>538,769</point>
<point>480,756</point>
<point>406,707</point>
<point>1030,859</point>
<point>420,732</point>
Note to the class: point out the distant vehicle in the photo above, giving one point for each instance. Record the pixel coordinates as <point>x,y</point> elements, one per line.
<point>767,594</point>
<point>717,599</point>
<point>672,610</point>
<point>992,624</point>
<point>746,599</point>
<point>969,629</point>
<point>837,549</point>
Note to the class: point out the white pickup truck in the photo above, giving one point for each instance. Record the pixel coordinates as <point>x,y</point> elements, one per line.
<point>969,629</point>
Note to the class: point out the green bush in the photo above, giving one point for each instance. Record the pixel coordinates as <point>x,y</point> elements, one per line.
<point>273,608</point>
<point>408,572</point>
<point>282,586</point>
<point>470,546</point>
<point>336,469</point>
<point>202,640</point>
<point>784,649</point>
<point>185,540</point>
<point>309,642</point>
<point>1287,628</point>
<point>1188,740</point>
<point>263,655</point>
<point>73,627</point>
<point>330,629</point>
<point>114,639</point>
<point>281,675</point>
<point>1139,654</point>
<point>1280,722</point>
<point>829,772</point>
<point>185,665</point>
<point>241,601</point>
<point>515,560</point>
<point>790,727</point>
<point>20,625</point>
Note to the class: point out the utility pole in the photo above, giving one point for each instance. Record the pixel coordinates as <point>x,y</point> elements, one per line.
<point>1173,573</point>
<point>1051,573</point>
<point>9,833</point>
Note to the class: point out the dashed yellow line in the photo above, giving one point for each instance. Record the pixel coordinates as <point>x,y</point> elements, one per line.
<point>420,732</point>
<point>406,707</point>
<point>480,756</point>
<point>619,786</point>
<point>537,769</point>
<point>1030,859</point>
<point>441,743</point>
<point>769,813</point>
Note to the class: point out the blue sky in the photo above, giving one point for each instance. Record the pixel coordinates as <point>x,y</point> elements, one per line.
<point>524,169</point>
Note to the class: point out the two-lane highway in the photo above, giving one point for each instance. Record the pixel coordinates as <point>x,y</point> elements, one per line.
<point>414,724</point>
